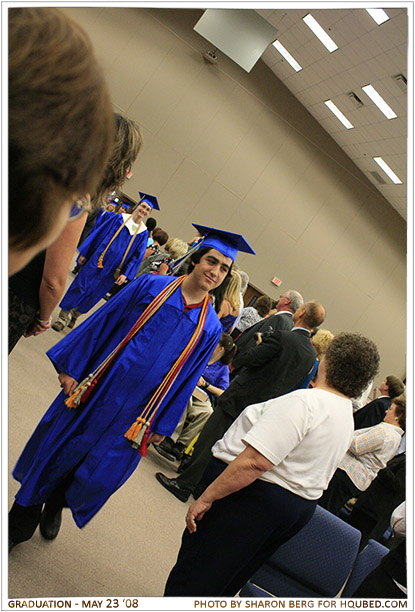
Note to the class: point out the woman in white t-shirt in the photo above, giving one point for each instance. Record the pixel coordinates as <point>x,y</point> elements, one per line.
<point>267,473</point>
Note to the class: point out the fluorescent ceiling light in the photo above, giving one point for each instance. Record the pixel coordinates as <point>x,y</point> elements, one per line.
<point>378,15</point>
<point>338,114</point>
<point>279,47</point>
<point>379,101</point>
<point>380,162</point>
<point>320,33</point>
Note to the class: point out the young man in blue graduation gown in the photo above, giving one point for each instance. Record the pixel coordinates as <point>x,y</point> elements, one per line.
<point>111,254</point>
<point>80,456</point>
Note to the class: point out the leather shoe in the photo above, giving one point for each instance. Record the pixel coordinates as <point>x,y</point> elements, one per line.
<point>161,451</point>
<point>50,522</point>
<point>171,485</point>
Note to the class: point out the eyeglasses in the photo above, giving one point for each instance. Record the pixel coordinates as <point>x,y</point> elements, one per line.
<point>80,205</point>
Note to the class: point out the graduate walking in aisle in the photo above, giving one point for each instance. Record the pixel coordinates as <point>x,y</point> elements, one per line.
<point>113,251</point>
<point>142,355</point>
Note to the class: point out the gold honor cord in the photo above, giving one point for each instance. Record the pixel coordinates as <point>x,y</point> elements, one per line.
<point>101,258</point>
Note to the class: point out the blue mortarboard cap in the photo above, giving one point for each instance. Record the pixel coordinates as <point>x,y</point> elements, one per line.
<point>150,200</point>
<point>226,242</point>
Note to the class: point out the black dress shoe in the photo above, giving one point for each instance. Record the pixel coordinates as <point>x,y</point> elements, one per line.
<point>171,485</point>
<point>50,522</point>
<point>186,459</point>
<point>161,451</point>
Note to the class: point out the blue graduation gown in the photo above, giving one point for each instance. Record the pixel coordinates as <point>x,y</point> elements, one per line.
<point>90,439</point>
<point>91,282</point>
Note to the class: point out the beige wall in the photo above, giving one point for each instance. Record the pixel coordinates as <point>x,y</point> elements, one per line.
<point>237,151</point>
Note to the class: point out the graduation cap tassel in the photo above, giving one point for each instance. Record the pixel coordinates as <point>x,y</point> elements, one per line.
<point>99,264</point>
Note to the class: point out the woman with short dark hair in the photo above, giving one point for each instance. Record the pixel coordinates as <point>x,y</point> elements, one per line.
<point>267,473</point>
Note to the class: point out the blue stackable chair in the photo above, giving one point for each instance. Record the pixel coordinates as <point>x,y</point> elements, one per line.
<point>314,563</point>
<point>368,559</point>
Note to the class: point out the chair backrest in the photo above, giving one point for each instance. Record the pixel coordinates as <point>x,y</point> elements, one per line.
<point>368,559</point>
<point>314,562</point>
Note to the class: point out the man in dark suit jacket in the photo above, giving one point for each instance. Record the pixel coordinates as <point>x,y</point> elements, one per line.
<point>274,367</point>
<point>374,412</point>
<point>286,306</point>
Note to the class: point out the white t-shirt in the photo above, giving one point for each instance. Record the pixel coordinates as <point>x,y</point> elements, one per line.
<point>305,434</point>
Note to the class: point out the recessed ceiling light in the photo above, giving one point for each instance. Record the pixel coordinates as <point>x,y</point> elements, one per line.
<point>279,47</point>
<point>379,101</point>
<point>378,15</point>
<point>320,33</point>
<point>336,111</point>
<point>381,162</point>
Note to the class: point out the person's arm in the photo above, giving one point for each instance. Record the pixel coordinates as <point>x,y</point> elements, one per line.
<point>225,309</point>
<point>367,442</point>
<point>245,469</point>
<point>55,271</point>
<point>208,387</point>
<point>163,269</point>
<point>261,354</point>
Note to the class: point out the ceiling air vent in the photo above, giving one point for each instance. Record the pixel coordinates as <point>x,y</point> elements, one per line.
<point>355,99</point>
<point>400,80</point>
<point>378,178</point>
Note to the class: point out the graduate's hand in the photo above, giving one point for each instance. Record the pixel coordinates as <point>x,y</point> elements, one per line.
<point>68,383</point>
<point>155,438</point>
<point>81,260</point>
<point>196,512</point>
<point>121,279</point>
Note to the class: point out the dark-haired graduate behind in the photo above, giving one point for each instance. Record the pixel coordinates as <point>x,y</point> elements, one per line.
<point>83,451</point>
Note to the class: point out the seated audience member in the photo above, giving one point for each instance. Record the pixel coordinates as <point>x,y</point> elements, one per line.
<point>389,579</point>
<point>266,474</point>
<point>161,263</point>
<point>253,314</point>
<point>372,511</point>
<point>159,239</point>
<point>214,381</point>
<point>228,304</point>
<point>286,306</point>
<point>35,291</point>
<point>273,368</point>
<point>193,242</point>
<point>369,452</point>
<point>374,412</point>
<point>151,224</point>
<point>60,129</point>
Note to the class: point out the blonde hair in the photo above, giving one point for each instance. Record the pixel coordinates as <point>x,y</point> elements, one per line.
<point>233,290</point>
<point>321,342</point>
<point>176,247</point>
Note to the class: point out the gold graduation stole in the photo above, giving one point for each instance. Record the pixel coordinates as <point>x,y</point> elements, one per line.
<point>101,257</point>
<point>139,430</point>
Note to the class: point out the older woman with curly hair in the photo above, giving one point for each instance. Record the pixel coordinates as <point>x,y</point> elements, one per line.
<point>267,473</point>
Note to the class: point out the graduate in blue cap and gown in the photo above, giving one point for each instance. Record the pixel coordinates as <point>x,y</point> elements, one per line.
<point>112,253</point>
<point>143,352</point>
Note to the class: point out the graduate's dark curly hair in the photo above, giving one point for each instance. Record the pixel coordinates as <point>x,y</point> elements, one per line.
<point>351,361</point>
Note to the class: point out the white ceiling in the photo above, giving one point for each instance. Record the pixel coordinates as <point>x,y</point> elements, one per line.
<point>367,53</point>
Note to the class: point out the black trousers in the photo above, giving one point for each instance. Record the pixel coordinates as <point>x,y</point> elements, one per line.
<point>340,489</point>
<point>235,537</point>
<point>214,428</point>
